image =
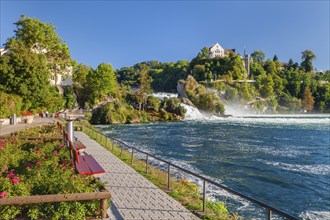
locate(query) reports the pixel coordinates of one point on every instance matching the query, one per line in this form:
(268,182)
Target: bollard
(69,129)
(168,177)
(147,164)
(204,195)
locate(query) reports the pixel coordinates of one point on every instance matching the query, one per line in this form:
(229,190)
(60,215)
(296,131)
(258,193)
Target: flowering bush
(40,168)
(26,113)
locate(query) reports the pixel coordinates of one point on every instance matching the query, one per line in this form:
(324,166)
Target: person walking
(46,114)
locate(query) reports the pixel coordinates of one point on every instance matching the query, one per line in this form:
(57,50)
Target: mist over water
(282,160)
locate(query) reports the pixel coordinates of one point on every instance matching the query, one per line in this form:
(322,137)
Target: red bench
(79,146)
(85,164)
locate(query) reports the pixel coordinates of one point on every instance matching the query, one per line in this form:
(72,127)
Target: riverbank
(286,165)
(186,193)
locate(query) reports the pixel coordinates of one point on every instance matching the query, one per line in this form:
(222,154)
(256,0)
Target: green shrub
(41,168)
(9,104)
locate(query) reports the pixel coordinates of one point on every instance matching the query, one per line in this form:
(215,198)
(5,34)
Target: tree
(25,73)
(256,69)
(258,56)
(275,58)
(265,84)
(308,100)
(102,82)
(41,37)
(145,80)
(307,58)
(81,86)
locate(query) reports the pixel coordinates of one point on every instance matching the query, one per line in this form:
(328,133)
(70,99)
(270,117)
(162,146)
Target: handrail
(269,208)
(22,200)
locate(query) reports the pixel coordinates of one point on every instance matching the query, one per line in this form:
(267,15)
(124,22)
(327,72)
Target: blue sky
(124,33)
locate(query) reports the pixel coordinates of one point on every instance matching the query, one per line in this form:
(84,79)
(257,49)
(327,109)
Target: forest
(37,54)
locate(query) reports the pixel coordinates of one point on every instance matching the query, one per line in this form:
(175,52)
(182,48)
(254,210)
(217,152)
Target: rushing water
(283,161)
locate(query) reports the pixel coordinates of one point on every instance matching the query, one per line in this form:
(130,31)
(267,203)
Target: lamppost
(69,126)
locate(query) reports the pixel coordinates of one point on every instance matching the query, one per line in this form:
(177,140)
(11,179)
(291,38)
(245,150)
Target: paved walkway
(133,196)
(37,121)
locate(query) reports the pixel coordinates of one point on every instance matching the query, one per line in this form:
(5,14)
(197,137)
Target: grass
(180,189)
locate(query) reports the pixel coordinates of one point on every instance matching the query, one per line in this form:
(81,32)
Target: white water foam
(315,215)
(318,169)
(192,113)
(162,95)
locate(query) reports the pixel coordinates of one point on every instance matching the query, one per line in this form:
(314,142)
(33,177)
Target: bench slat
(79,146)
(94,166)
(82,167)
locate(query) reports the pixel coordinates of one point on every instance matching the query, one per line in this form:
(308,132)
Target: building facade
(218,51)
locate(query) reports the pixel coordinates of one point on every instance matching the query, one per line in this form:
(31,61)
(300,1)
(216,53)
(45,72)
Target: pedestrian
(46,112)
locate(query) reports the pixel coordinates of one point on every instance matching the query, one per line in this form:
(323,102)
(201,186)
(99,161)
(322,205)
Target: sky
(124,33)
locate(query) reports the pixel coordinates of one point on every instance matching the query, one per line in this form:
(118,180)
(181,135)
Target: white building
(3,51)
(218,51)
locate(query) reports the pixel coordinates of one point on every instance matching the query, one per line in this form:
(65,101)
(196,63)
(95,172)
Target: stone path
(133,196)
(37,121)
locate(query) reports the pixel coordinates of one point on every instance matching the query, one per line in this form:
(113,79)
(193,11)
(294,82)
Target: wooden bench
(85,164)
(79,146)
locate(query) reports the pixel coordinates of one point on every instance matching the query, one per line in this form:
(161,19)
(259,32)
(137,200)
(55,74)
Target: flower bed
(41,168)
(27,117)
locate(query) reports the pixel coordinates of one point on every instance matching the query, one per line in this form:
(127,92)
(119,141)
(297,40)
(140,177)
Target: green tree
(265,84)
(258,56)
(81,87)
(42,38)
(102,82)
(25,73)
(256,69)
(307,58)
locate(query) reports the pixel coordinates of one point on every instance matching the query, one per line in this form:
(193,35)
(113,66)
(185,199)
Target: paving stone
(133,196)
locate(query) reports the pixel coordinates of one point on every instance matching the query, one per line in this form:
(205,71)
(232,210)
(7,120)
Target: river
(282,160)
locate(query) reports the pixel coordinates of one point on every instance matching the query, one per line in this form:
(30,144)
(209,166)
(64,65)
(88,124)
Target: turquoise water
(283,161)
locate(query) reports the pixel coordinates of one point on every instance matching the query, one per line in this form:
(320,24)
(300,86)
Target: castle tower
(247,63)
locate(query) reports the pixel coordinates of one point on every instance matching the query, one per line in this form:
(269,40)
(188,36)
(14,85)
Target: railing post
(121,151)
(269,214)
(103,204)
(204,195)
(64,139)
(113,143)
(147,164)
(106,141)
(132,156)
(168,176)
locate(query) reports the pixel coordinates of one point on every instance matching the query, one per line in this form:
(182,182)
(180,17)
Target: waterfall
(162,95)
(192,113)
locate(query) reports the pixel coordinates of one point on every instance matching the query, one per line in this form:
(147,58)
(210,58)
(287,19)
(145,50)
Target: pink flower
(38,163)
(38,152)
(15,180)
(4,168)
(11,175)
(2,147)
(60,145)
(3,194)
(55,152)
(46,157)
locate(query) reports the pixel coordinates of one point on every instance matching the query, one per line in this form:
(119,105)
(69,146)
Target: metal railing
(205,180)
